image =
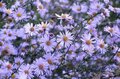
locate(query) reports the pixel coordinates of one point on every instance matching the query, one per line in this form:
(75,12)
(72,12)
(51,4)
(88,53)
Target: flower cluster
(59,39)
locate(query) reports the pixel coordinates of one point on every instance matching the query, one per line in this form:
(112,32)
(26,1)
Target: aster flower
(87,40)
(64,16)
(52,60)
(88,43)
(76,8)
(8,49)
(96,5)
(47,43)
(40,66)
(2,6)
(44,26)
(79,8)
(101,45)
(37,42)
(112,30)
(26,70)
(30,29)
(19,14)
(8,34)
(7,67)
(65,39)
(40,8)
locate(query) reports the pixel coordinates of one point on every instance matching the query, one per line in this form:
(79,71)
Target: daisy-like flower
(40,8)
(88,43)
(8,49)
(96,5)
(8,34)
(64,16)
(76,8)
(101,45)
(47,43)
(52,60)
(79,8)
(26,70)
(19,14)
(87,40)
(44,26)
(30,29)
(65,39)
(40,66)
(7,67)
(2,6)
(112,30)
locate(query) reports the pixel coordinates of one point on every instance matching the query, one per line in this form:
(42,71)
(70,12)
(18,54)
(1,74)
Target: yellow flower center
(41,7)
(91,30)
(48,43)
(44,26)
(63,16)
(13,76)
(65,38)
(19,14)
(1,4)
(88,42)
(49,61)
(89,21)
